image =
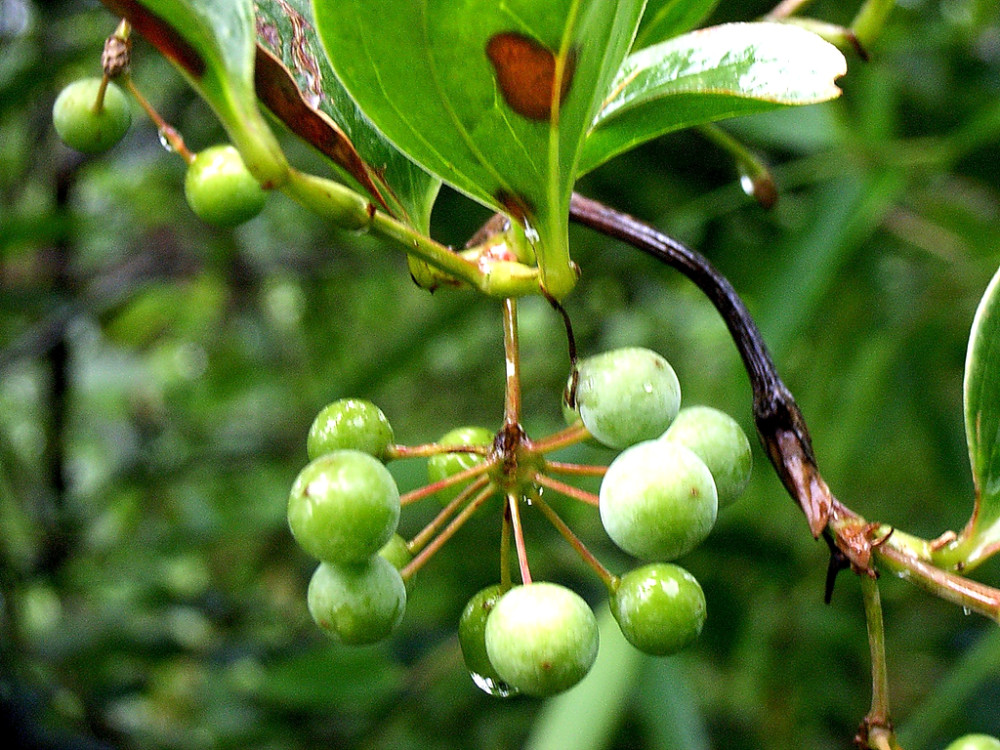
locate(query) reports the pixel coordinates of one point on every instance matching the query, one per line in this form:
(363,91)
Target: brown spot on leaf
(526,73)
(160,34)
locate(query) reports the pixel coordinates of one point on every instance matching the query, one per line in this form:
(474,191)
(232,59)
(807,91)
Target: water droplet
(496,688)
(165,142)
(966,611)
(647,387)
(530,233)
(759,185)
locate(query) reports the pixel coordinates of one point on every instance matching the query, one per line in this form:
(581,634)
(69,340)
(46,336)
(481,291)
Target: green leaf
(665,19)
(708,75)
(981,537)
(495,98)
(213,43)
(295,81)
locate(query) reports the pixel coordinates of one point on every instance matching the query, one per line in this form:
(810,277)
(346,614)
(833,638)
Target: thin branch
(581,549)
(427,552)
(780,425)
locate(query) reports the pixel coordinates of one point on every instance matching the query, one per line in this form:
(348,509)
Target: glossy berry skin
(81,127)
(472,638)
(625,396)
(343,507)
(357,604)
(350,423)
(975,742)
(220,189)
(658,500)
(443,465)
(541,638)
(659,607)
(718,440)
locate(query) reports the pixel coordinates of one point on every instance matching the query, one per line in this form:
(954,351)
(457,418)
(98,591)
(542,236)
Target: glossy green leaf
(296,83)
(665,19)
(213,43)
(981,537)
(708,75)
(495,98)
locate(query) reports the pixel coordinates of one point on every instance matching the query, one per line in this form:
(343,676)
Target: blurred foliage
(157,378)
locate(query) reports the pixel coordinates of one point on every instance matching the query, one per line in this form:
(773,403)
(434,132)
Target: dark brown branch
(779,422)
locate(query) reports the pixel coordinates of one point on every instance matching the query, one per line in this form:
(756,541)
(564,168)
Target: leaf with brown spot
(495,98)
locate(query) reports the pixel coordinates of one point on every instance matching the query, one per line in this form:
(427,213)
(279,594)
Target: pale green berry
(658,500)
(625,396)
(718,440)
(541,638)
(358,603)
(350,423)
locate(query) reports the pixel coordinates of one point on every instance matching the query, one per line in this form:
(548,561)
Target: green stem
(786,8)
(755,177)
(567,489)
(879,713)
(429,489)
(585,554)
(505,534)
(427,552)
(870,20)
(166,131)
(970,595)
(512,356)
(585,470)
(572,435)
(425,535)
(518,530)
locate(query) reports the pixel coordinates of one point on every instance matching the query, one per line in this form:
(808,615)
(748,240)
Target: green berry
(350,423)
(443,465)
(472,638)
(343,507)
(658,500)
(659,607)
(82,127)
(541,638)
(357,604)
(975,742)
(396,552)
(625,396)
(220,189)
(718,440)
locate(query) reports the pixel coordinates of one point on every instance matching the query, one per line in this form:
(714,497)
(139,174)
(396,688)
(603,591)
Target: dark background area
(158,377)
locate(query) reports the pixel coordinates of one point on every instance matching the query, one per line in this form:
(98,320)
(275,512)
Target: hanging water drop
(495,688)
(165,142)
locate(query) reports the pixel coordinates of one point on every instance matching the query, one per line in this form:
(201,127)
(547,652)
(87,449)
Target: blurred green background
(158,376)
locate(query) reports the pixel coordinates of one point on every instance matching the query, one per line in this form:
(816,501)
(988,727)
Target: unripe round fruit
(350,423)
(443,465)
(659,607)
(396,552)
(220,189)
(472,638)
(718,440)
(541,638)
(658,500)
(357,604)
(343,507)
(975,742)
(81,127)
(625,396)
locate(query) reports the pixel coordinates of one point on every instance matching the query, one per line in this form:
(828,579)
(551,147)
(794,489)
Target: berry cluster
(658,499)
